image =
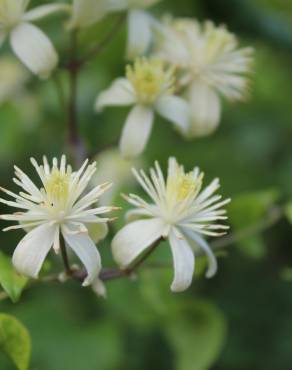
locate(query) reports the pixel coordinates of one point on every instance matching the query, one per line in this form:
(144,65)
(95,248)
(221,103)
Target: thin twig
(114,274)
(97,49)
(75,141)
(273,217)
(64,254)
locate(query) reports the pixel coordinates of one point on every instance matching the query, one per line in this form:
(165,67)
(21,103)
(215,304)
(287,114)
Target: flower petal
(136,131)
(139,33)
(120,93)
(34,49)
(184,263)
(86,251)
(97,231)
(175,110)
(206,109)
(88,12)
(99,288)
(134,238)
(44,10)
(32,250)
(213,266)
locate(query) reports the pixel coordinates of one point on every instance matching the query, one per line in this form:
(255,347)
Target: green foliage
(250,150)
(197,334)
(15,341)
(10,280)
(288,211)
(246,211)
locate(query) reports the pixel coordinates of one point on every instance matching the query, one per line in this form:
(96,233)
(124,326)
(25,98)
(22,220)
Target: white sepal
(206,109)
(34,49)
(44,11)
(136,131)
(87,12)
(139,33)
(183,261)
(175,110)
(135,238)
(86,251)
(32,250)
(213,265)
(120,93)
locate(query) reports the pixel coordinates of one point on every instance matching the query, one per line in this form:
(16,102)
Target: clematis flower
(87,12)
(28,42)
(181,212)
(149,86)
(59,210)
(211,65)
(140,24)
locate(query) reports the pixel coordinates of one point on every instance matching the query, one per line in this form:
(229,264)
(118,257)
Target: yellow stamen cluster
(57,188)
(150,79)
(219,41)
(181,185)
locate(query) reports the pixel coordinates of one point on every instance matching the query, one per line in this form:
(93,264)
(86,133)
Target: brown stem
(64,254)
(113,274)
(75,142)
(97,49)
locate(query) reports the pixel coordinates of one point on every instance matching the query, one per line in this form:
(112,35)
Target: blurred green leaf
(286,274)
(15,341)
(288,211)
(11,282)
(248,209)
(197,334)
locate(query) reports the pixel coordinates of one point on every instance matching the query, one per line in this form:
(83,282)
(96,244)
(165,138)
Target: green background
(241,319)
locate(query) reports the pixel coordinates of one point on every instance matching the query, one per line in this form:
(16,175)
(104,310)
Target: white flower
(59,210)
(87,12)
(149,86)
(28,42)
(12,78)
(140,24)
(210,64)
(181,212)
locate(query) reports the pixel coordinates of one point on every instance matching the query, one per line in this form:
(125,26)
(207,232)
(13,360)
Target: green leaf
(197,334)
(288,211)
(245,211)
(11,282)
(286,274)
(15,341)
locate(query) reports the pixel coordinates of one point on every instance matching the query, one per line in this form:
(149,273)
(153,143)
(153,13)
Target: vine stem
(64,254)
(74,66)
(97,49)
(75,142)
(112,274)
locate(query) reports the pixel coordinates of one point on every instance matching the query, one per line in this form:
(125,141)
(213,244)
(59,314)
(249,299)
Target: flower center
(57,188)
(150,79)
(11,12)
(181,185)
(218,41)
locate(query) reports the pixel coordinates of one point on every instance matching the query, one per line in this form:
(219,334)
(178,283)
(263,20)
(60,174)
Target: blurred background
(241,319)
